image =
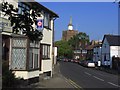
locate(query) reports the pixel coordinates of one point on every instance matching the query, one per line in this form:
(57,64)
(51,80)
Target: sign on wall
(40,24)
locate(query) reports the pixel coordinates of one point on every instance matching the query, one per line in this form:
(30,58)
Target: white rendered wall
(114,51)
(48,39)
(105,51)
(26,74)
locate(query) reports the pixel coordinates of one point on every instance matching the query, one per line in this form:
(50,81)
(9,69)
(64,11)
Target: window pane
(19,10)
(35,60)
(30,58)
(49,22)
(45,51)
(19,4)
(48,51)
(18,59)
(46,19)
(43,55)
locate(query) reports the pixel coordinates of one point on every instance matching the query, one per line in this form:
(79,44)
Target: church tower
(70,26)
(68,34)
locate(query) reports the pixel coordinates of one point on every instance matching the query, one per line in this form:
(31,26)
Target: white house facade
(29,59)
(97,53)
(110,48)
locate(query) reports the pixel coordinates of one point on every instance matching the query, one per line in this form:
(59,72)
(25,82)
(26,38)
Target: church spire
(70,20)
(70,26)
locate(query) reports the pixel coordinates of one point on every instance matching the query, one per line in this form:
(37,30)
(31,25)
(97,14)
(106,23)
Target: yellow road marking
(74,84)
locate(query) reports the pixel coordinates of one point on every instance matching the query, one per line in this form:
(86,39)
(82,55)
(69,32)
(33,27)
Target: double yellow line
(74,84)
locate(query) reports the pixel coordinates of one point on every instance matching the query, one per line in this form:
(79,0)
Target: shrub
(8,78)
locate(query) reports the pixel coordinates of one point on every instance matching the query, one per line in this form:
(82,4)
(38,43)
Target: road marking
(72,82)
(98,78)
(113,84)
(87,73)
(68,81)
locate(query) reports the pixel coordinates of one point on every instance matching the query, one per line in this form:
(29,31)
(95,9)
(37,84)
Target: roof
(113,40)
(38,6)
(90,47)
(98,45)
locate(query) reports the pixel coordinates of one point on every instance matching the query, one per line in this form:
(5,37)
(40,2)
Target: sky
(93,18)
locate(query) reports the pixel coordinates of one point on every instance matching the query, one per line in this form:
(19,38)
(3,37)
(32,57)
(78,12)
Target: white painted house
(110,48)
(97,53)
(29,59)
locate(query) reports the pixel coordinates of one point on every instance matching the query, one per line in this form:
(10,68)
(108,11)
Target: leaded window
(18,54)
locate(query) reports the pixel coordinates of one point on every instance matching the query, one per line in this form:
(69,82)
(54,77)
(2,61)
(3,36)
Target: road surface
(88,77)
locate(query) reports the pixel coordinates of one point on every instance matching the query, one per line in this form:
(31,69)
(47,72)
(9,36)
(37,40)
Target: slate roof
(113,40)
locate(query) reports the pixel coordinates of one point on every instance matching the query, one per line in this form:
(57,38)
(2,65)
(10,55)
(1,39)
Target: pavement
(56,81)
(59,81)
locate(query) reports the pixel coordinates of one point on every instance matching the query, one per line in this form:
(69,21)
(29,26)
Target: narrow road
(89,77)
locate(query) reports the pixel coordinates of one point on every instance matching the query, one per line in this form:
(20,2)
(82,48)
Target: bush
(8,78)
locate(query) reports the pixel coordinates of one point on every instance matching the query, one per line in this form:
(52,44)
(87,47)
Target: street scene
(60,45)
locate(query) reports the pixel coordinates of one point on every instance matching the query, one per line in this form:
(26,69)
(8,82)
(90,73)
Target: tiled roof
(89,47)
(98,45)
(113,40)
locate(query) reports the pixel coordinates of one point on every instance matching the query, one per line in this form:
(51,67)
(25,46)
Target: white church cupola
(70,26)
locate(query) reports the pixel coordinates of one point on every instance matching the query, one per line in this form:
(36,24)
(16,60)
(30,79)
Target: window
(22,7)
(30,58)
(34,56)
(35,60)
(47,21)
(45,51)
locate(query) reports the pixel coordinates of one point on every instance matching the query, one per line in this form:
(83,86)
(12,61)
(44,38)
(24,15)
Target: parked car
(69,60)
(72,60)
(76,61)
(65,60)
(82,62)
(90,63)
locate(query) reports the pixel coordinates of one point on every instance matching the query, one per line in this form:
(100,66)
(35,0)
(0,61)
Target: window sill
(47,27)
(25,69)
(45,58)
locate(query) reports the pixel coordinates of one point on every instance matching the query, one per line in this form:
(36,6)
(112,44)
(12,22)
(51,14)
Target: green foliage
(64,49)
(8,78)
(79,41)
(22,22)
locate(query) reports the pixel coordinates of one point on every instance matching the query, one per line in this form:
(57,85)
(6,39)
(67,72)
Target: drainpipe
(53,48)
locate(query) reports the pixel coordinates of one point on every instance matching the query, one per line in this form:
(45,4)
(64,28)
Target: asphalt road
(89,77)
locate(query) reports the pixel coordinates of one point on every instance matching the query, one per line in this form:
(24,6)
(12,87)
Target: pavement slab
(56,81)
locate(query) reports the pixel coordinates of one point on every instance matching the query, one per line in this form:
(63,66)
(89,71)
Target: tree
(79,41)
(64,49)
(22,22)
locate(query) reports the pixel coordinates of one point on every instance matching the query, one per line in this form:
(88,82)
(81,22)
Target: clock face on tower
(70,27)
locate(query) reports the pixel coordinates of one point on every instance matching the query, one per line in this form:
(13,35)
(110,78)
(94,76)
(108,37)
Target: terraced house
(28,58)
